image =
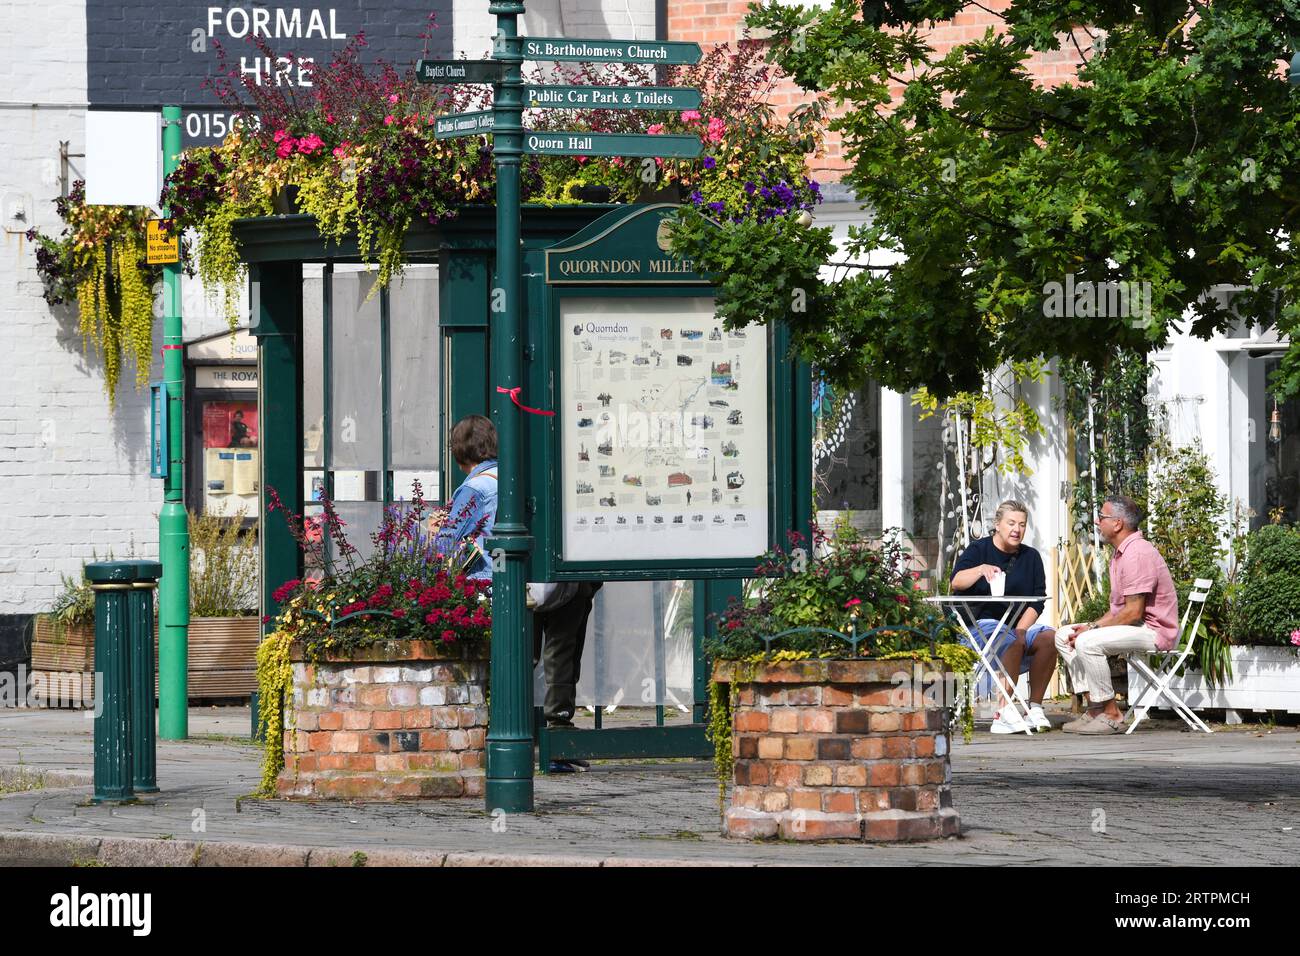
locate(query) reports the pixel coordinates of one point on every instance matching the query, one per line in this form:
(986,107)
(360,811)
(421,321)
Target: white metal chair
(1167,664)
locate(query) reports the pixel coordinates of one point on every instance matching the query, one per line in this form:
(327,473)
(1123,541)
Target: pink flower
(853,602)
(392,98)
(285,149)
(389,120)
(280,135)
(581,159)
(329,118)
(657,128)
(1295,637)
(310,144)
(691,116)
(716,128)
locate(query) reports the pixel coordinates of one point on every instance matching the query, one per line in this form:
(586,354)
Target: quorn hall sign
(635,250)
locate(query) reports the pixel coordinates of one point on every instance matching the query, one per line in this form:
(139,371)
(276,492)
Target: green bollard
(144,736)
(113,584)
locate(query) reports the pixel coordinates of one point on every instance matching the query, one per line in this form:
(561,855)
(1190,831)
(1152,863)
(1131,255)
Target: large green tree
(1172,160)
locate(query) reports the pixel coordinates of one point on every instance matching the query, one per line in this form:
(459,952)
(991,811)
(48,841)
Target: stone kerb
(840,750)
(399,719)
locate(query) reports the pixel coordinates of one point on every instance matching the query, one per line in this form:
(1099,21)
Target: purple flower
(710,162)
(717,207)
(749,188)
(697,197)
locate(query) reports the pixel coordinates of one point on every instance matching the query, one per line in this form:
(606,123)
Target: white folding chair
(1168,663)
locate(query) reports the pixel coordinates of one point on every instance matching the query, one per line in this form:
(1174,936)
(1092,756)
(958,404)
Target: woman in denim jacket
(473,508)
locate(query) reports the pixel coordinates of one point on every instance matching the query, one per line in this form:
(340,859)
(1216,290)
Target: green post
(173,527)
(144,742)
(112,582)
(510,735)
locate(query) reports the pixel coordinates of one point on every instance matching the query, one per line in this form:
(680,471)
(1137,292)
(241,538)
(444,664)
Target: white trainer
(1038,718)
(1008,721)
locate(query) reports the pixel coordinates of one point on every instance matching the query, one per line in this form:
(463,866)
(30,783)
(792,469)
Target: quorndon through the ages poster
(664,431)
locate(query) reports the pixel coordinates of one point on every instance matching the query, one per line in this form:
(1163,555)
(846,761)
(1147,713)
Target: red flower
(285,589)
(399,613)
(852,602)
(901,599)
(266,619)
(448,636)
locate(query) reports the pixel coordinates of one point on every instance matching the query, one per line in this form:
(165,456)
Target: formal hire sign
(564,143)
(612,97)
(622,248)
(671,53)
(448,72)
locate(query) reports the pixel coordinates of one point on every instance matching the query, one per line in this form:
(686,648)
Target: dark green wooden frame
(276,247)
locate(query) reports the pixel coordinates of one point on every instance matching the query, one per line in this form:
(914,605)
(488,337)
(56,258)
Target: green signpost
(613,97)
(573,143)
(509,784)
(664,53)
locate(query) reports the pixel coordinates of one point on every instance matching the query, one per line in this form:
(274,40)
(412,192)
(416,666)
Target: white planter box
(1263,678)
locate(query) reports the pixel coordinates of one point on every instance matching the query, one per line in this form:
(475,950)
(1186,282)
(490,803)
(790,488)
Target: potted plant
(833,686)
(224,629)
(373,684)
(63,645)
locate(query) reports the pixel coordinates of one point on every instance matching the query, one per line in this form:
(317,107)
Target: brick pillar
(841,750)
(394,720)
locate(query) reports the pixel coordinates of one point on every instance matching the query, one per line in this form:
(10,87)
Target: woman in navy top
(1029,646)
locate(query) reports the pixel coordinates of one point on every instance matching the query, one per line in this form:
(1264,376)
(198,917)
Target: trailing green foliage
(1104,408)
(1268,607)
(223,566)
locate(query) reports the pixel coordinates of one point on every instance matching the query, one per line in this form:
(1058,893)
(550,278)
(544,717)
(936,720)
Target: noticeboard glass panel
(663,432)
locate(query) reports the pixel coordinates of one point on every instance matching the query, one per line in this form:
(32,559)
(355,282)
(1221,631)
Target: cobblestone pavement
(1161,796)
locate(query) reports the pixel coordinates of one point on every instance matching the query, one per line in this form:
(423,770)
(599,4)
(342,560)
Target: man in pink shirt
(1143,617)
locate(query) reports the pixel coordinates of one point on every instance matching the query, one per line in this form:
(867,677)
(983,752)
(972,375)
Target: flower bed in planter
(391,720)
(839,750)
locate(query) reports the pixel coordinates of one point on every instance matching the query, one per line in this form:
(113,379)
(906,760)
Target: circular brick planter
(840,750)
(400,719)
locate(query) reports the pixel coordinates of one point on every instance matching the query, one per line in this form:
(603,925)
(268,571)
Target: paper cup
(998,586)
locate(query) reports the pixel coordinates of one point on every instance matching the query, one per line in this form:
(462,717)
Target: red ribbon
(514,397)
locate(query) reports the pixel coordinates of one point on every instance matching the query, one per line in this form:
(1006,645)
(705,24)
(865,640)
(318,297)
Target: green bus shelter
(678,450)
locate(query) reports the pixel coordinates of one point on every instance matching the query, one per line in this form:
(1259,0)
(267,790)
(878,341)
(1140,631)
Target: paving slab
(1161,796)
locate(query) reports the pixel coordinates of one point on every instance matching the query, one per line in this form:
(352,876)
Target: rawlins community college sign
(635,250)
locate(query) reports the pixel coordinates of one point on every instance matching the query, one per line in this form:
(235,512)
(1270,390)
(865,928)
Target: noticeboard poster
(664,432)
(230,462)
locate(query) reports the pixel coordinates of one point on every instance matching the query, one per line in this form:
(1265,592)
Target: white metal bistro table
(991,662)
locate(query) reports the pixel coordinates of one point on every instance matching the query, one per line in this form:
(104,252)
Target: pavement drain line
(53,849)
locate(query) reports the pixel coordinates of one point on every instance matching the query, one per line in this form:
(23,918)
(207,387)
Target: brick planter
(840,750)
(396,720)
